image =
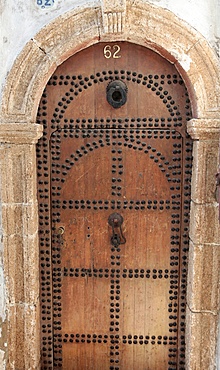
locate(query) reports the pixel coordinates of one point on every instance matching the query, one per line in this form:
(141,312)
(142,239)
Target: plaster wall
(22,19)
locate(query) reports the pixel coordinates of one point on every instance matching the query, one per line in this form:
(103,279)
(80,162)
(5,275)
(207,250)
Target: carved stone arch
(144,24)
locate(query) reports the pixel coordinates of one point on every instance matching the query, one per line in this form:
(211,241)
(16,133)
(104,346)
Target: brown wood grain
(115,307)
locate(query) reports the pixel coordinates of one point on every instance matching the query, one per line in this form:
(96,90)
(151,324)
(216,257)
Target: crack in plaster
(202,311)
(39,47)
(98,23)
(184,60)
(43,50)
(204,244)
(193,45)
(213,203)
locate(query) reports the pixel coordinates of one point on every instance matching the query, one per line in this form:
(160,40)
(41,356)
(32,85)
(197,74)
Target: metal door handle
(115,220)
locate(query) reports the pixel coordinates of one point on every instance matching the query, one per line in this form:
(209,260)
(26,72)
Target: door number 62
(112,51)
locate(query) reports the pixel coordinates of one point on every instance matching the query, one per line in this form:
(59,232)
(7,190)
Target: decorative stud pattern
(101,204)
(131,139)
(146,136)
(159,85)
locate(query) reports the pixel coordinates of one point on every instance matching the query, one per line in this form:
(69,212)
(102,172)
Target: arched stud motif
(158,85)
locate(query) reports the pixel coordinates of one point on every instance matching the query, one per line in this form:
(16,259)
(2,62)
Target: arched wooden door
(112,293)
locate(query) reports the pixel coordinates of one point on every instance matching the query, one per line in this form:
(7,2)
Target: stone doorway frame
(144,24)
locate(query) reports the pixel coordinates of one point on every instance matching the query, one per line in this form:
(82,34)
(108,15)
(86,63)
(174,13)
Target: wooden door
(114,297)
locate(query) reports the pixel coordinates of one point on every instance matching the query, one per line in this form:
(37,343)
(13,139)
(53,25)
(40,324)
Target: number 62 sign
(112,51)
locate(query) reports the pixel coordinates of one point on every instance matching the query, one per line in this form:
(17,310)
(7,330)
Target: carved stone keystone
(114,14)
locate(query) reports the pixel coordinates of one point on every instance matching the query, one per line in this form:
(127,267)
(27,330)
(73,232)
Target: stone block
(23,338)
(201,331)
(206,87)
(113,16)
(31,269)
(20,82)
(19,219)
(14,268)
(203,278)
(58,41)
(21,265)
(205,167)
(19,133)
(16,338)
(149,20)
(12,220)
(204,226)
(12,170)
(18,174)
(32,337)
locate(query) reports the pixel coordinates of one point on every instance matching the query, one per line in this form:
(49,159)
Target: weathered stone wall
(21,20)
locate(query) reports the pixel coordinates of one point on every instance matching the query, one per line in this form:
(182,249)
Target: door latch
(115,220)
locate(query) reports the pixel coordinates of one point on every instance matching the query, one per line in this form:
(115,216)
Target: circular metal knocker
(116,93)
